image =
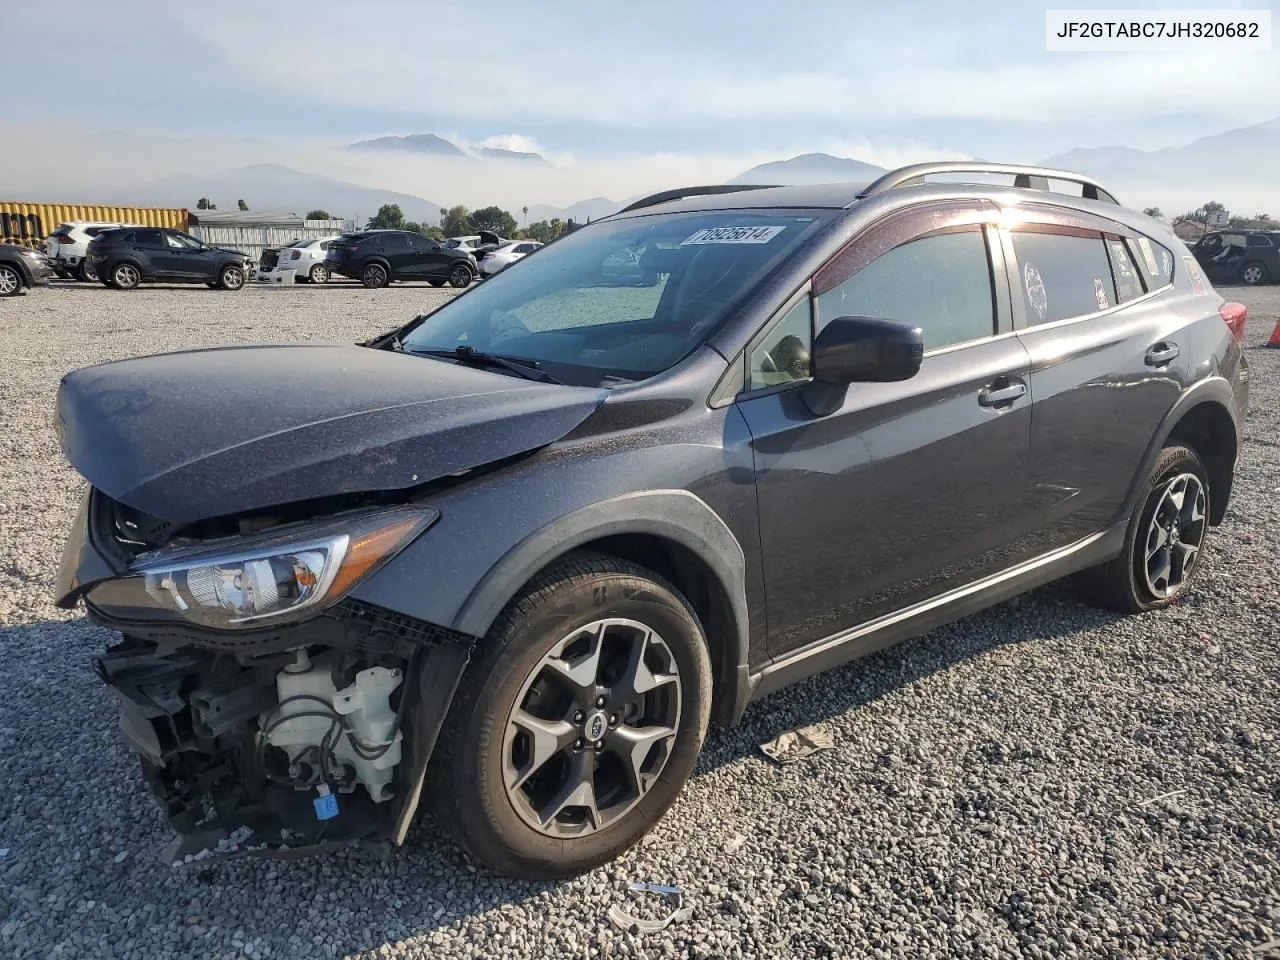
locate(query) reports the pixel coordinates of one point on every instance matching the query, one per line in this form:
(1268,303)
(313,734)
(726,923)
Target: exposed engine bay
(271,753)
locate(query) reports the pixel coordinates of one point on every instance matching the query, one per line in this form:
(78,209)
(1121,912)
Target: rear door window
(1258,240)
(1064,272)
(149,238)
(394,243)
(1154,260)
(1124,272)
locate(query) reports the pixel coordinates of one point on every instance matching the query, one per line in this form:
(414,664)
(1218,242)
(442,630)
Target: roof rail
(1024,177)
(681,192)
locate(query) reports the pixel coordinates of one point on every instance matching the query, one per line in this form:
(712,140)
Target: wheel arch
(1202,420)
(674,534)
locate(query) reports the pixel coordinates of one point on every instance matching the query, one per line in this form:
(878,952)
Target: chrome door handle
(994,396)
(1161,354)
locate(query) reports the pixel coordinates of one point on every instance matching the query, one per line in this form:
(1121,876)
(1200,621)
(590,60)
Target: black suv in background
(376,257)
(1240,256)
(128,256)
(536,540)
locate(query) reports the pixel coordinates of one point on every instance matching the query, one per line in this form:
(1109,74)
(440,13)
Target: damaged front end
(272,714)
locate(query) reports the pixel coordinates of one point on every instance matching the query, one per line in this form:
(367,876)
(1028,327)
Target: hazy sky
(623,98)
(599,78)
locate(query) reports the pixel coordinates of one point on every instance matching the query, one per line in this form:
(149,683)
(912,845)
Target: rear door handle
(1001,392)
(1161,354)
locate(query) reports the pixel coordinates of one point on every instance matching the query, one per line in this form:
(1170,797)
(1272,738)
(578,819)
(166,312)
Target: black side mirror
(860,350)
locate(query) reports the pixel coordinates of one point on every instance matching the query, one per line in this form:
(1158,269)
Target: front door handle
(1001,392)
(1161,354)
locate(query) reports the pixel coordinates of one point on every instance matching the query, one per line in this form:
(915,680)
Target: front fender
(675,515)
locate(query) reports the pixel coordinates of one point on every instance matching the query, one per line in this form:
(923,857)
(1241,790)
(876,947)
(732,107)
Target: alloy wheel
(1174,535)
(375,276)
(126,275)
(233,278)
(461,277)
(1252,274)
(592,728)
(319,273)
(10,282)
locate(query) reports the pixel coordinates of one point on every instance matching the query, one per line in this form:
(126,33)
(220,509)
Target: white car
(305,257)
(67,245)
(505,255)
(467,243)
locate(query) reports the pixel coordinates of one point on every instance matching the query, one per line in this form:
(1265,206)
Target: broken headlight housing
(256,581)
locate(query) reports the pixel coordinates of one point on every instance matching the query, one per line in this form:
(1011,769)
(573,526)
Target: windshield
(620,299)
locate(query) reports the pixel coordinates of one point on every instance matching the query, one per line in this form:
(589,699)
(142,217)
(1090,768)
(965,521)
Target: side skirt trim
(892,628)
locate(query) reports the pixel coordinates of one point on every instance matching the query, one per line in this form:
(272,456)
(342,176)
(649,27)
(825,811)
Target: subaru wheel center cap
(595,726)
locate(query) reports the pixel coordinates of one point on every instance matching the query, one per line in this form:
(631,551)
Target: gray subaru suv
(511,559)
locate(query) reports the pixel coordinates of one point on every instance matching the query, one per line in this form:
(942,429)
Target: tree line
(459,221)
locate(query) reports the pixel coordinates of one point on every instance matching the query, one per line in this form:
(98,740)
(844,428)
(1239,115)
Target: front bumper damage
(198,706)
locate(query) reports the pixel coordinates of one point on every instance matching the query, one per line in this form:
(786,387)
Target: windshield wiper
(528,369)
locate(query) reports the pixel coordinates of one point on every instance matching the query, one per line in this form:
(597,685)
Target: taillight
(1234,316)
(295,255)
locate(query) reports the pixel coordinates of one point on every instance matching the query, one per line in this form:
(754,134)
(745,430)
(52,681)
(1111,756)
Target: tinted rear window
(1063,275)
(1155,261)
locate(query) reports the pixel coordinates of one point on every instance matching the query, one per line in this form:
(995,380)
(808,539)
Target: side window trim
(733,383)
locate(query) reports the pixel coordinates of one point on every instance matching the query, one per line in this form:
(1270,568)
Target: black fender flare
(675,515)
(1213,390)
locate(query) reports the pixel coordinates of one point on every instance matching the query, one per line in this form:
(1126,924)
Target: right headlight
(259,580)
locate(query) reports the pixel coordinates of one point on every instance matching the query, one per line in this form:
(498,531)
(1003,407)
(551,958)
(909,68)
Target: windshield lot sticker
(1197,278)
(1100,293)
(1036,295)
(733,235)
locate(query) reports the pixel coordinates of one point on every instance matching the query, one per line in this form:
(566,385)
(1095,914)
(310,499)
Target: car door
(425,254)
(1262,253)
(156,255)
(186,257)
(395,247)
(908,489)
(1109,359)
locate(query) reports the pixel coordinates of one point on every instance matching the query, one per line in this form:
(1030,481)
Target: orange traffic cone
(1275,336)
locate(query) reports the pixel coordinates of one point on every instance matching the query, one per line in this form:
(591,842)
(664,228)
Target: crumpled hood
(205,433)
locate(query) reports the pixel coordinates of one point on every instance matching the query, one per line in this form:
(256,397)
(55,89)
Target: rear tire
(1254,273)
(590,629)
(437,281)
(1165,540)
(86,273)
(374,276)
(125,276)
(461,276)
(318,274)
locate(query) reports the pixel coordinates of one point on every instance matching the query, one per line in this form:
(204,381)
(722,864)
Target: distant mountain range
(1246,155)
(431,145)
(810,168)
(272,186)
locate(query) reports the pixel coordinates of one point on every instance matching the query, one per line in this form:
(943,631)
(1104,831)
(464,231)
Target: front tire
(10,281)
(576,727)
(231,277)
(1164,542)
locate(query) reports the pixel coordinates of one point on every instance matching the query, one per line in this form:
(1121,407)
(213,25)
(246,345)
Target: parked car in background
(68,245)
(378,257)
(22,268)
(469,242)
(505,255)
(1240,256)
(536,540)
(307,258)
(127,256)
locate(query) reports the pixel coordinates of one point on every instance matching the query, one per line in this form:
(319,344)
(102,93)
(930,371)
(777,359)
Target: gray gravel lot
(1040,780)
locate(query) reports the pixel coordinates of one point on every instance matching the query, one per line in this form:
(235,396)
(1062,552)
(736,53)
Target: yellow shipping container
(30,223)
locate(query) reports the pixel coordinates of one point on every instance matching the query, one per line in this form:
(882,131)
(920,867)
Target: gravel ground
(1040,780)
